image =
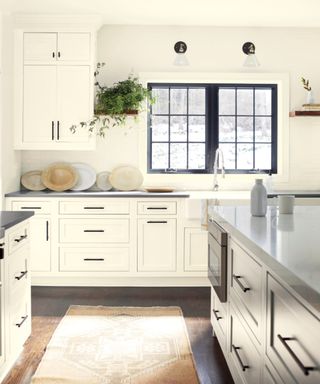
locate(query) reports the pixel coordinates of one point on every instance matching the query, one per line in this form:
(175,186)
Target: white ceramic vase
(310,97)
(258,199)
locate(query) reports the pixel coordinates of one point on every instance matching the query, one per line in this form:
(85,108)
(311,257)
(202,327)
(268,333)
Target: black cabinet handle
(157,207)
(58,130)
(93,259)
(24,318)
(31,208)
(22,273)
(93,230)
(47,230)
(215,312)
(243,366)
(52,130)
(53,54)
(157,222)
(22,237)
(237,279)
(304,369)
(59,54)
(93,207)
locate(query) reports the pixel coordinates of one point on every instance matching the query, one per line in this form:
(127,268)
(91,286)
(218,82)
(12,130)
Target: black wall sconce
(251,60)
(180,49)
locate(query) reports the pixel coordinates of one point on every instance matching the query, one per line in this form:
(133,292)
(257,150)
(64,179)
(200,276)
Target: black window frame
(212,127)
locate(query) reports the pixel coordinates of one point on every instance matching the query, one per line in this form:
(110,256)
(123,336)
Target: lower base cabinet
(40,245)
(157,245)
(242,351)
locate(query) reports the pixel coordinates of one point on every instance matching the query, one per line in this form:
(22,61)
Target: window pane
(197,128)
(245,101)
(161,105)
(263,156)
(197,156)
(160,156)
(178,156)
(263,128)
(227,128)
(178,128)
(245,156)
(228,155)
(178,101)
(245,129)
(160,128)
(226,101)
(263,102)
(197,101)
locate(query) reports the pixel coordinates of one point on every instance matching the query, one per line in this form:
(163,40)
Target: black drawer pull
(52,130)
(304,369)
(157,222)
(22,273)
(93,207)
(215,312)
(31,208)
(24,318)
(47,230)
(22,237)
(92,259)
(58,129)
(93,230)
(243,288)
(243,366)
(157,207)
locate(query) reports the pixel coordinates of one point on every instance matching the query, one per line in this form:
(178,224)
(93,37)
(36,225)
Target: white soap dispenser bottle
(258,199)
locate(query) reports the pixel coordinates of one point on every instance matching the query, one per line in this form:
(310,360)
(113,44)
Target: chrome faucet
(218,159)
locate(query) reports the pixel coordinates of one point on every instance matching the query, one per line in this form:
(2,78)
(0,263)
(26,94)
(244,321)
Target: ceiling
(251,13)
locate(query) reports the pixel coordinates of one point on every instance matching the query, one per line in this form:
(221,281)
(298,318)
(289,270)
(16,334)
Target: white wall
(210,49)
(10,162)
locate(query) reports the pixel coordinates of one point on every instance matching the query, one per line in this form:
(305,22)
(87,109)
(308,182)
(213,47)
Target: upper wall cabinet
(56,47)
(54,84)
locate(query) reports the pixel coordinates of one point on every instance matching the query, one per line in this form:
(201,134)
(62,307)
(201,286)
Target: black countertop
(10,218)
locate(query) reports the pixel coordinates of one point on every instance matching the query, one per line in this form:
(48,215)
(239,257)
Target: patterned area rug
(119,345)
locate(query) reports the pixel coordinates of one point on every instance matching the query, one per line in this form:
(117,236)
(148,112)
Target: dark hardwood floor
(49,304)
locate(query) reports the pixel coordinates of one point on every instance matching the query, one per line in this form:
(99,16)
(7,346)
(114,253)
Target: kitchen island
(269,327)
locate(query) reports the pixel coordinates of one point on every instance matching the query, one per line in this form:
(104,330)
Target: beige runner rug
(119,345)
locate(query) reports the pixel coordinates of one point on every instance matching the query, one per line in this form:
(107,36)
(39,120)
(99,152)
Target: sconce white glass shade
(251,61)
(181,60)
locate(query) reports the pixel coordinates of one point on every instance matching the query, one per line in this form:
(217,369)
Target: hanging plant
(114,104)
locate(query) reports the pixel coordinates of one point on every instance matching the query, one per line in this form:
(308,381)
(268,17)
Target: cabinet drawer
(157,208)
(293,337)
(94,259)
(97,207)
(245,356)
(18,272)
(219,319)
(19,237)
(94,230)
(19,323)
(246,287)
(39,207)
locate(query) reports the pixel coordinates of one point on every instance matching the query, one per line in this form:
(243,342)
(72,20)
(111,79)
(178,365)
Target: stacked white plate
(103,182)
(86,176)
(126,178)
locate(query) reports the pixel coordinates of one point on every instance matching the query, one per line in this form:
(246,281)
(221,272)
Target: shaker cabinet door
(39,103)
(39,47)
(74,102)
(73,47)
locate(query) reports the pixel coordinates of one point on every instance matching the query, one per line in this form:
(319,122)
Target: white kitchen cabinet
(219,319)
(54,87)
(242,351)
(195,249)
(48,47)
(293,337)
(40,233)
(54,98)
(15,294)
(157,245)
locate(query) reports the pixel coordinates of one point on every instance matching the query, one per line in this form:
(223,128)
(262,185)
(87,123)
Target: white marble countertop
(287,244)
